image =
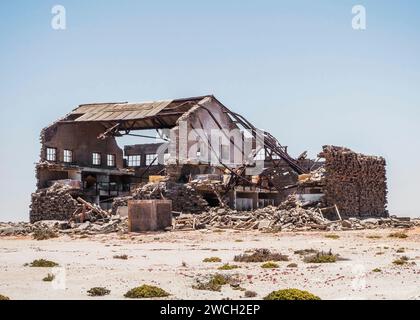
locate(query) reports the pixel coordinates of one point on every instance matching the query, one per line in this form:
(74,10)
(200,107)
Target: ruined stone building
(200,142)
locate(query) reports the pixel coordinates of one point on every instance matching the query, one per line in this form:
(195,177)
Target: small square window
(68,156)
(51,154)
(96,159)
(134,160)
(110,160)
(150,158)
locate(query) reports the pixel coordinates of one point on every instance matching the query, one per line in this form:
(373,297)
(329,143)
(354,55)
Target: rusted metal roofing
(119,111)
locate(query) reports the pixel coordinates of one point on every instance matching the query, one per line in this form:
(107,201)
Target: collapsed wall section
(356,183)
(184,197)
(53,203)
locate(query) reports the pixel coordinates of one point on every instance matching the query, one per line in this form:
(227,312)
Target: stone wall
(356,183)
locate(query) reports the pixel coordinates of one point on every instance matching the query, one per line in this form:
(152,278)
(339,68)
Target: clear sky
(295,68)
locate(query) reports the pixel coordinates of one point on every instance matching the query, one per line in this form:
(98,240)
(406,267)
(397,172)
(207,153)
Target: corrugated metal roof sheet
(119,111)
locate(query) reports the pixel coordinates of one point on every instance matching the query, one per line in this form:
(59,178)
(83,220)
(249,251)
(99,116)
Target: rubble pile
(114,224)
(268,218)
(184,197)
(354,182)
(274,219)
(53,203)
(290,215)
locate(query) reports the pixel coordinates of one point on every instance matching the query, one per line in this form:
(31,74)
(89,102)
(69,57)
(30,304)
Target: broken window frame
(134,160)
(51,154)
(110,160)
(260,155)
(150,157)
(96,159)
(67,156)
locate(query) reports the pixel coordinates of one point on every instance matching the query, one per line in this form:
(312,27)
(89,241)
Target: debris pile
(184,197)
(354,182)
(290,215)
(53,203)
(114,224)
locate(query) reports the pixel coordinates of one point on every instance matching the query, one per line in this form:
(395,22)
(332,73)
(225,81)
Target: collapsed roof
(134,116)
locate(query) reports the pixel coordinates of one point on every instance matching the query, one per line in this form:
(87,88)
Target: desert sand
(174,260)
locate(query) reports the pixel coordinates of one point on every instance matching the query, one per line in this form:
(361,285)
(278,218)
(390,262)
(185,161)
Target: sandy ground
(158,259)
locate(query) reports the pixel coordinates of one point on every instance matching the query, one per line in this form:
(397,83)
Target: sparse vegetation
(42,263)
(292,265)
(98,292)
(122,257)
(146,291)
(305,252)
(261,255)
(376,270)
(212,259)
(373,237)
(400,235)
(400,250)
(44,234)
(269,265)
(228,266)
(332,236)
(184,264)
(321,257)
(2,297)
(239,240)
(401,261)
(250,294)
(215,283)
(50,277)
(291,294)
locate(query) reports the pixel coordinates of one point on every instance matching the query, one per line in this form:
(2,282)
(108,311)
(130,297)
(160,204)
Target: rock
(346,224)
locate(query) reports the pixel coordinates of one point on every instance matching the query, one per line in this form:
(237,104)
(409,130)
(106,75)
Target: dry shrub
(321,257)
(98,292)
(215,282)
(261,255)
(212,259)
(44,234)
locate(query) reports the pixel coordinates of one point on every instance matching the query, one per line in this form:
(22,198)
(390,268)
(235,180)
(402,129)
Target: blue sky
(295,68)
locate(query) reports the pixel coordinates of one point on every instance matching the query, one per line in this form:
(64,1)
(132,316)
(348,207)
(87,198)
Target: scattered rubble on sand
(290,215)
(274,219)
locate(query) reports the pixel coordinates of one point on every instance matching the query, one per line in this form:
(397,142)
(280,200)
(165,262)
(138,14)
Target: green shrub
(146,291)
(376,270)
(98,292)
(291,294)
(292,265)
(2,297)
(212,259)
(261,255)
(42,263)
(269,265)
(50,277)
(228,266)
(400,250)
